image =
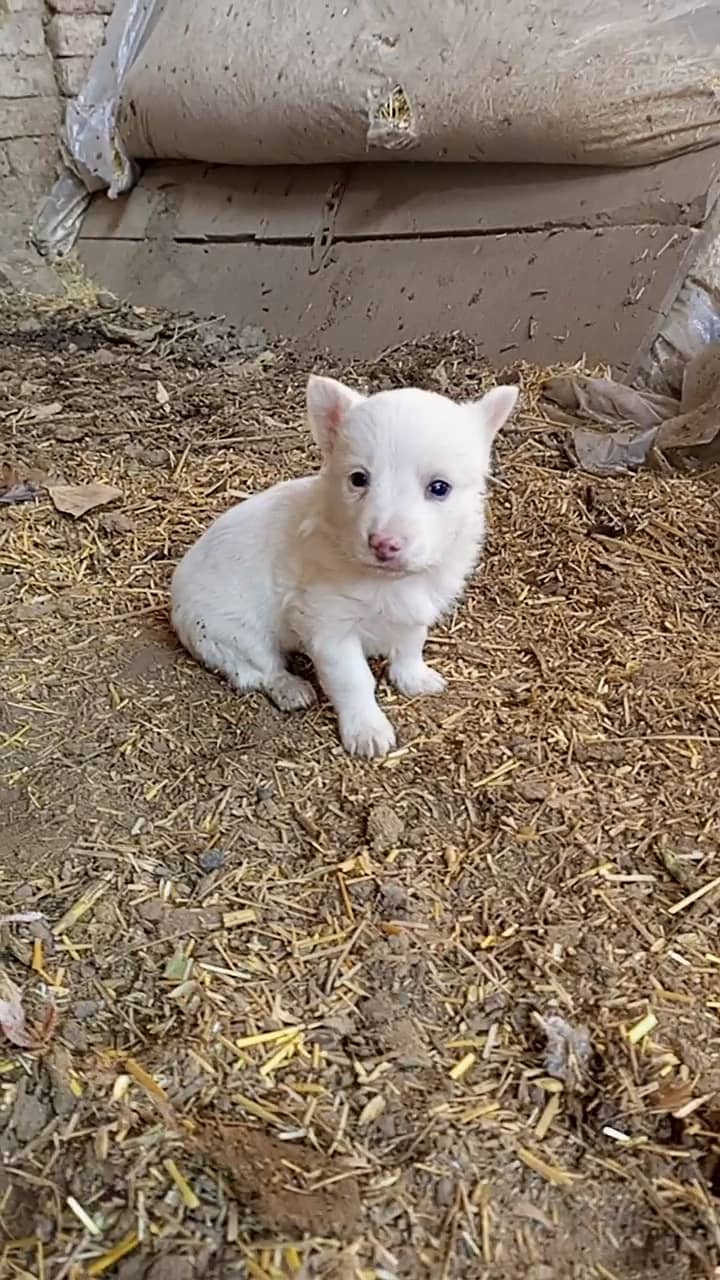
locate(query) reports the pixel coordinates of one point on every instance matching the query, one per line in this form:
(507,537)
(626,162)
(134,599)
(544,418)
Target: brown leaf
(673,1095)
(77,499)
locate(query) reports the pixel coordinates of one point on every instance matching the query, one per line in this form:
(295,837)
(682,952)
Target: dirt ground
(452,1014)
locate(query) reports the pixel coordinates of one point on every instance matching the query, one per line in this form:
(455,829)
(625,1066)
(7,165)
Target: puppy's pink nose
(385,546)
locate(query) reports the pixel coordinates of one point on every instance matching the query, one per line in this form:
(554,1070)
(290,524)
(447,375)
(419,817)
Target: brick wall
(45,50)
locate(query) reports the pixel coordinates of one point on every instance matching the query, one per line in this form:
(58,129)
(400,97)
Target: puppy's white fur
(293,568)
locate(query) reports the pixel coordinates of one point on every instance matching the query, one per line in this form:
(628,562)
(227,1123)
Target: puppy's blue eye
(438,489)
(359,480)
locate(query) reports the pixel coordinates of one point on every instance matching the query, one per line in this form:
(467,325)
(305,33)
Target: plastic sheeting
(626,82)
(627,425)
(694,320)
(96,156)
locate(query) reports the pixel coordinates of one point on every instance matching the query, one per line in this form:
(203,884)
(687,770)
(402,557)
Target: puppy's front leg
(408,671)
(348,682)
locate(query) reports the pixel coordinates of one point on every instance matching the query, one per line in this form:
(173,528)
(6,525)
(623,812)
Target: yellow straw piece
(83,1217)
(107,1260)
(462,1067)
(642,1028)
(190,1200)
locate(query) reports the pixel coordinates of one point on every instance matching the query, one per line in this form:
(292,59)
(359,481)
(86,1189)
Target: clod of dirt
(29,1114)
(68,432)
(252,338)
(393,1034)
(394,898)
(131,1269)
(568,1049)
(59,1065)
(170,1267)
(114,522)
(384,828)
(258,1168)
(533,792)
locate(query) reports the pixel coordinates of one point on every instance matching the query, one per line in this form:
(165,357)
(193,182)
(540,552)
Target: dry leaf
(12,1018)
(162,395)
(26,492)
(673,1094)
(20,484)
(77,499)
(568,1048)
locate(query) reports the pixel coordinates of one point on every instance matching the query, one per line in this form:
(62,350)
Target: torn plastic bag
(636,422)
(94,151)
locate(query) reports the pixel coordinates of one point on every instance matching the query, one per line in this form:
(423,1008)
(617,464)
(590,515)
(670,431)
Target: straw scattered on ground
(452,1014)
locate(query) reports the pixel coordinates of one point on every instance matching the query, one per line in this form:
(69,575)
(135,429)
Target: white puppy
(358,560)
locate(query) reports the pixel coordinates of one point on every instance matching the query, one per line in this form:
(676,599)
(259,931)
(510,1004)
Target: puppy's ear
(328,403)
(493,410)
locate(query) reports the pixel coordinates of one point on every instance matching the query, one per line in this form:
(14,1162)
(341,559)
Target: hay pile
(452,1014)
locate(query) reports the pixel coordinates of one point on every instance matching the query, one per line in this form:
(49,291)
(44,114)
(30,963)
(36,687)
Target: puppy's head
(404,472)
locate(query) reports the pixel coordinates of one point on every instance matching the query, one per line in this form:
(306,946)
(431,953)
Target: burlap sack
(623,82)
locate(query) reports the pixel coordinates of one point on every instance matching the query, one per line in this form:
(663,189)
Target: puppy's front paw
(416,680)
(372,735)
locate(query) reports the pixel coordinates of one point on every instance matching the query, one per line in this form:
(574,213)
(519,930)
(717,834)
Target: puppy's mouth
(390,568)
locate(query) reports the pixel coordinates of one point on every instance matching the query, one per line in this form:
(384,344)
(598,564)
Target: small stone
(131,1269)
(152,910)
(171,1268)
(107,301)
(115,522)
(213,860)
(532,791)
(153,457)
(445,1192)
(75,1035)
(106,356)
(68,432)
(86,1008)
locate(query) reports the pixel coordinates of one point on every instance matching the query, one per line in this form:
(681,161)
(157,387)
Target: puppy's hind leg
(248,666)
